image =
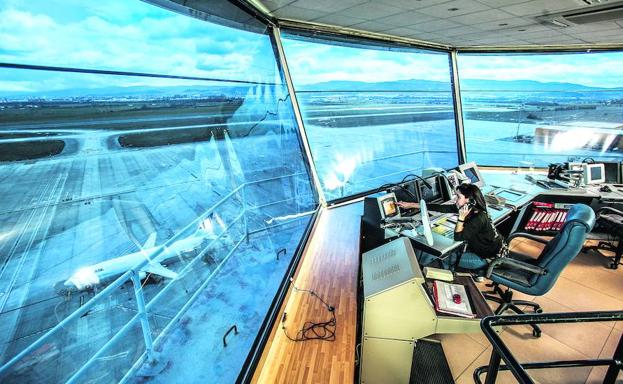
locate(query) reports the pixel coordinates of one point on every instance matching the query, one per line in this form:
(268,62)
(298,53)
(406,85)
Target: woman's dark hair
(473,193)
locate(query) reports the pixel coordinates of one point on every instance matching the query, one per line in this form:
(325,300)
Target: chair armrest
(530,236)
(515,264)
(609,210)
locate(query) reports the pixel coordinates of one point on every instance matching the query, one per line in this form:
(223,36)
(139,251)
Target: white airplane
(92,275)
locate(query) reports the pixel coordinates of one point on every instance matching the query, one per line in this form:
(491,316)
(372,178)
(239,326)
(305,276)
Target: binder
(443,294)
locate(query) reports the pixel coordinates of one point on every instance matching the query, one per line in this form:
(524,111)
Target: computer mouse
(456,298)
(605,188)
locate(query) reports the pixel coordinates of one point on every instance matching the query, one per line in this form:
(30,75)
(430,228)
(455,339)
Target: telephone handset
(467,206)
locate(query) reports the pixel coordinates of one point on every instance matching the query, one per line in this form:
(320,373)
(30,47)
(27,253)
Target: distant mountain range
(241,90)
(433,86)
(134,92)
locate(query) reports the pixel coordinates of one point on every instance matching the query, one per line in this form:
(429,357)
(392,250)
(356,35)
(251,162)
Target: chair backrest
(563,248)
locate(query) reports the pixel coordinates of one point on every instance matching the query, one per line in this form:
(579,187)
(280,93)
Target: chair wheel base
(536,333)
(614,266)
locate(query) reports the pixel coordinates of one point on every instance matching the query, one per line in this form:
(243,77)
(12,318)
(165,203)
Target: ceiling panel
(276,4)
(329,6)
(373,10)
(436,25)
(540,7)
(405,18)
(500,3)
(490,15)
(373,26)
(299,13)
(414,4)
(339,19)
(451,32)
(401,31)
(454,22)
(454,8)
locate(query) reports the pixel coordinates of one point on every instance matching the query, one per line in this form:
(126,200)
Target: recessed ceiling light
(453,9)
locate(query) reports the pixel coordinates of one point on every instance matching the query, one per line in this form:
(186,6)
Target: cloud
(129,36)
(311,63)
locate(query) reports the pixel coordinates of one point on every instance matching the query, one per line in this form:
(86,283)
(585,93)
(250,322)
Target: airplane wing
(159,269)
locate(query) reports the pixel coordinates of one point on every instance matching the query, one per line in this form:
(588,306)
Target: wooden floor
(329,267)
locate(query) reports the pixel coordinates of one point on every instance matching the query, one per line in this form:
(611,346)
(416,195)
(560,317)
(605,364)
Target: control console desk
(399,310)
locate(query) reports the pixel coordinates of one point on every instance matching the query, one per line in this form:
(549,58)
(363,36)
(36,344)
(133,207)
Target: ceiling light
(503,24)
(453,9)
(521,30)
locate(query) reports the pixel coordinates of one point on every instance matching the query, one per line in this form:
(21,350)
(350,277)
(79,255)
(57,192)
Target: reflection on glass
(200,183)
(542,108)
(372,114)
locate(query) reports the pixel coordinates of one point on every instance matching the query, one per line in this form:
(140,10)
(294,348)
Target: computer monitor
(594,173)
(472,173)
(613,172)
(425,227)
(387,206)
(430,191)
(407,191)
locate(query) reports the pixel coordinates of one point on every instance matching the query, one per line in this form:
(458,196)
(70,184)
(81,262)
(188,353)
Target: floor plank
(329,268)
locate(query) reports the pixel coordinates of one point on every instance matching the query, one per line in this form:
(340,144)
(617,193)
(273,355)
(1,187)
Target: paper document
(445,299)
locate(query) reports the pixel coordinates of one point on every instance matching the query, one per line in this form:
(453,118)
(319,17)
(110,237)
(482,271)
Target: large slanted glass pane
(195,182)
(536,109)
(373,113)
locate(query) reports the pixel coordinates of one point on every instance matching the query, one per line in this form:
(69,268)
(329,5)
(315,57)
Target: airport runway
(98,200)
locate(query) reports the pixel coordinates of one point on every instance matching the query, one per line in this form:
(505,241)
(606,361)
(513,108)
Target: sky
(131,35)
(311,62)
(122,35)
(595,69)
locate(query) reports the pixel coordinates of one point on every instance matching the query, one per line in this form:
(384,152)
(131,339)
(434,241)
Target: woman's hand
(404,204)
(464,211)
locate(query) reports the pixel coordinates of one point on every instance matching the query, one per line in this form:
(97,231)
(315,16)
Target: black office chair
(537,276)
(610,222)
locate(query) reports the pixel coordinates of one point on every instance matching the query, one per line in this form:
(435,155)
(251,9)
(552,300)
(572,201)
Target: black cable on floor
(324,330)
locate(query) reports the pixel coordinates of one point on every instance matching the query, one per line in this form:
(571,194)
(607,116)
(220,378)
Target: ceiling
(465,23)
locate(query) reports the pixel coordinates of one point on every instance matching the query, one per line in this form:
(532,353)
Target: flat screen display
(593,173)
(471,175)
(596,173)
(613,172)
(430,193)
(387,206)
(406,192)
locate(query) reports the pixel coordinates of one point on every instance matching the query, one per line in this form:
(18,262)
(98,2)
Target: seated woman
(474,227)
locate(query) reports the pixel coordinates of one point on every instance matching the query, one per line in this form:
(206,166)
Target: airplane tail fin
(151,241)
